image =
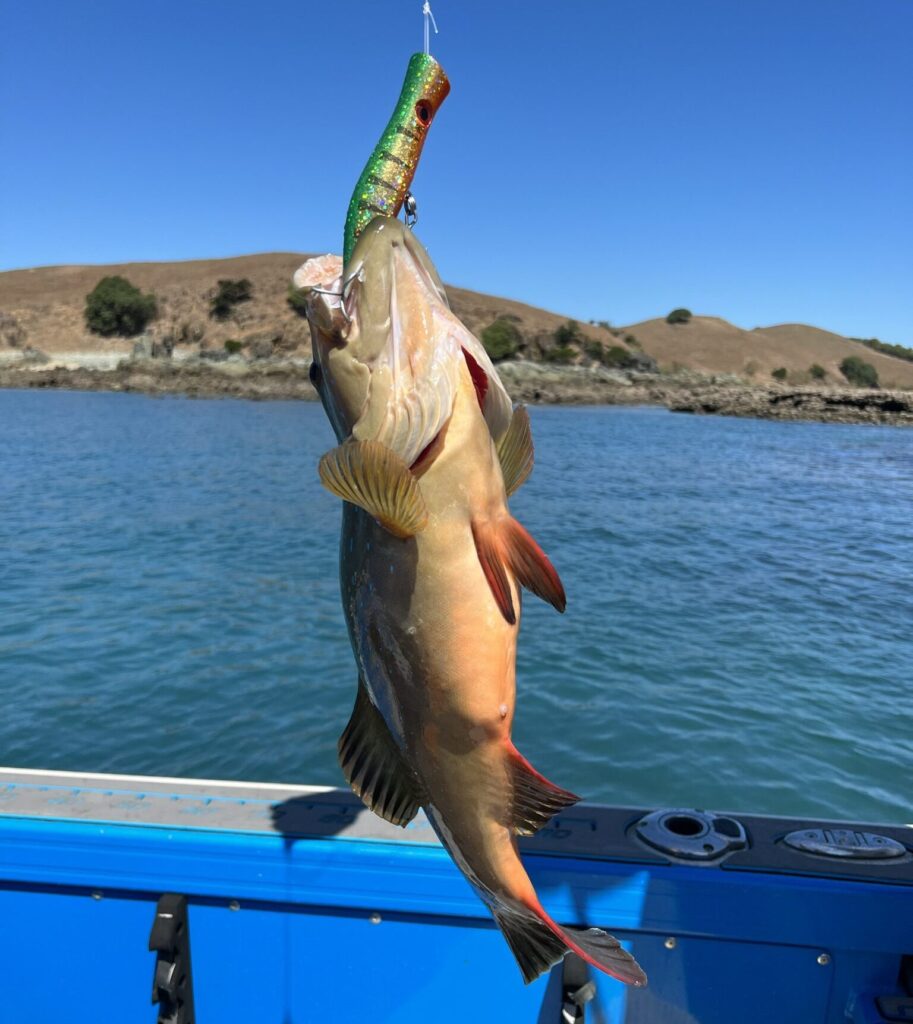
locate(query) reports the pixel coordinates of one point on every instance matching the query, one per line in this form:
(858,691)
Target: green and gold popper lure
(384,183)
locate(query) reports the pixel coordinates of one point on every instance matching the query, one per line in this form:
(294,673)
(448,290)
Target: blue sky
(610,160)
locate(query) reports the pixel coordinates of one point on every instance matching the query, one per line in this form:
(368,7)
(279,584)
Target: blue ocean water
(738,633)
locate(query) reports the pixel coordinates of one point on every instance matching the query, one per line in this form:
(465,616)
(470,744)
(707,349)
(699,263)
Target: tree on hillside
(117,307)
(679,316)
(501,339)
(781,373)
(859,373)
(228,295)
(817,372)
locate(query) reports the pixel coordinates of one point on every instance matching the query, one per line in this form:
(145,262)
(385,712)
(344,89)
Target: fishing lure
(385,181)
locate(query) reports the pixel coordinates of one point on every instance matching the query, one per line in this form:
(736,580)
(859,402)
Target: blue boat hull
(303,907)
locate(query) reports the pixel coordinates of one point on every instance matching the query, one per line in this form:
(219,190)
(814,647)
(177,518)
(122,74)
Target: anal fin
(370,475)
(373,765)
(515,451)
(535,799)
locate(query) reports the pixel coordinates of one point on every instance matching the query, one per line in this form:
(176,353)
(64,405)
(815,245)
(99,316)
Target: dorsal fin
(535,799)
(373,765)
(515,451)
(370,475)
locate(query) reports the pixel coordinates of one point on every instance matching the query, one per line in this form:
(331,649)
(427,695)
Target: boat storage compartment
(288,905)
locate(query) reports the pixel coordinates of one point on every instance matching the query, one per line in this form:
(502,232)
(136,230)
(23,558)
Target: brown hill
(48,303)
(711,345)
(43,308)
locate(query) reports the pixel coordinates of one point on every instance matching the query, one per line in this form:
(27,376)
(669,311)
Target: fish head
(388,351)
(340,380)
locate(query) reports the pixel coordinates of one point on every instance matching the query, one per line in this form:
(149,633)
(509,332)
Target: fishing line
(429,18)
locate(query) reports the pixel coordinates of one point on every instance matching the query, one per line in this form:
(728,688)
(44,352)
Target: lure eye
(423,111)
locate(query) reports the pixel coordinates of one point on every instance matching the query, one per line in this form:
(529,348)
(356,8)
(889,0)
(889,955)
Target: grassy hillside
(43,308)
(711,345)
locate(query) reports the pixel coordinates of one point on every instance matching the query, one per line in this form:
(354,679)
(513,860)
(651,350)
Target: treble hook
(410,210)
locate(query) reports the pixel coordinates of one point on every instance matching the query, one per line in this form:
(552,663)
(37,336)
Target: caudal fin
(538,944)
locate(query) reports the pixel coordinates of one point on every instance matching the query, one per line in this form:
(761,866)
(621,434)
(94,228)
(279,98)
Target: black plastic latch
(172,982)
(577,989)
(895,1008)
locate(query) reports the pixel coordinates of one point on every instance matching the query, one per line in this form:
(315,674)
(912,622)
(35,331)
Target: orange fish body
(431,564)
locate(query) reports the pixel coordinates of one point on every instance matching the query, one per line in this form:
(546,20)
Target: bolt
(670,943)
(824,959)
(96,896)
(375,918)
(234,905)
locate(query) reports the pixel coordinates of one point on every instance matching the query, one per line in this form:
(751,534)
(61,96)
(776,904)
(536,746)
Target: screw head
(96,895)
(375,918)
(671,942)
(824,959)
(234,905)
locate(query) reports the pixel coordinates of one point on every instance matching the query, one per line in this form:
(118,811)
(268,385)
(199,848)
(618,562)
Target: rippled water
(737,634)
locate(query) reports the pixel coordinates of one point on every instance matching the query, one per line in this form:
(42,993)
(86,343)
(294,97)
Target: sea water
(738,630)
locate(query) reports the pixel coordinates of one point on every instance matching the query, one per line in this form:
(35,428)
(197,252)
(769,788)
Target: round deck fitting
(692,834)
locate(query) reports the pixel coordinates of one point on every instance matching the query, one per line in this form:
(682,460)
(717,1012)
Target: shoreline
(528,382)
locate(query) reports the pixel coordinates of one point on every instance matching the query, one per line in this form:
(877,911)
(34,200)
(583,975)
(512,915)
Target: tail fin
(538,944)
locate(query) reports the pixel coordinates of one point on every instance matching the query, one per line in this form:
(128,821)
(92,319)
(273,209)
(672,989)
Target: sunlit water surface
(738,632)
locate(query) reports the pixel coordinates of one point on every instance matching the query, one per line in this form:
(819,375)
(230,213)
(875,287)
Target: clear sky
(751,159)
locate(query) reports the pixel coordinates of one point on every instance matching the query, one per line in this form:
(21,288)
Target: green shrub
(228,295)
(631,339)
(568,334)
(115,306)
(859,373)
(297,300)
(594,350)
(679,316)
(501,339)
(233,346)
(817,372)
(781,373)
(560,354)
(898,351)
(618,357)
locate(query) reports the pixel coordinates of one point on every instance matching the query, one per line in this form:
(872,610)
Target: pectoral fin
(515,451)
(373,765)
(536,799)
(368,474)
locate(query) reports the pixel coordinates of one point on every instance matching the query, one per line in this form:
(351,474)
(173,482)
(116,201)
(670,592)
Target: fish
(430,448)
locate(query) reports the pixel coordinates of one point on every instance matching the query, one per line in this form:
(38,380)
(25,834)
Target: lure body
(384,182)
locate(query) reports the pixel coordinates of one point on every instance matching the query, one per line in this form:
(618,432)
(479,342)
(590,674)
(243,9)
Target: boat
(133,899)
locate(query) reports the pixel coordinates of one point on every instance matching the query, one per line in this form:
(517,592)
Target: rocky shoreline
(529,382)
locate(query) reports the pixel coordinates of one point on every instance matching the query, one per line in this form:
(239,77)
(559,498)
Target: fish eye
(314,374)
(423,111)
